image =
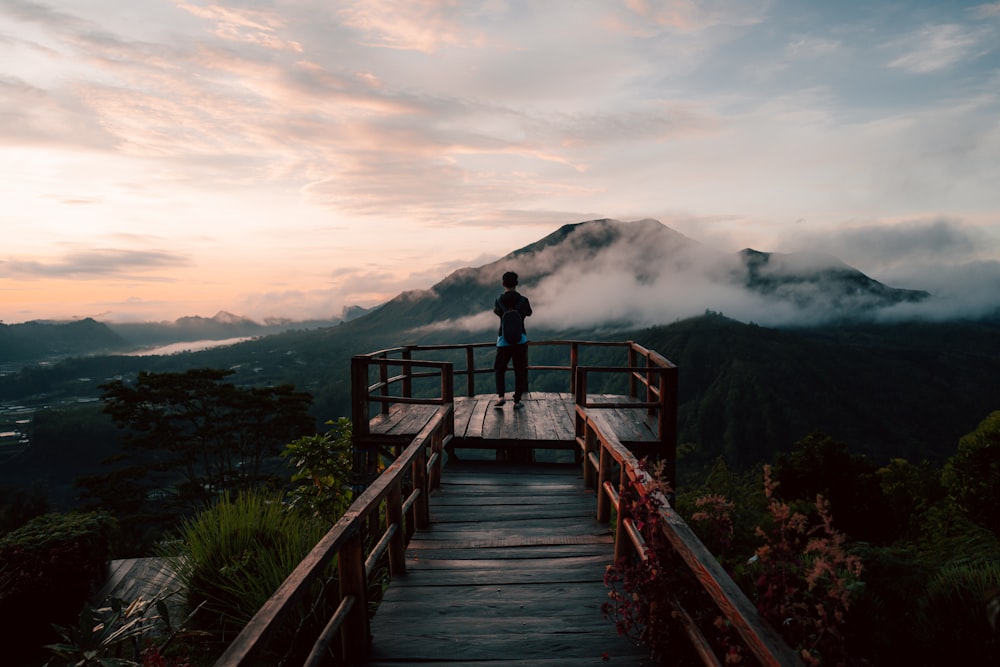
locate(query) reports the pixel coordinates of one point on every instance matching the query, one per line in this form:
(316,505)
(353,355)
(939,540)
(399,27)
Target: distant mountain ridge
(595,274)
(811,279)
(39,340)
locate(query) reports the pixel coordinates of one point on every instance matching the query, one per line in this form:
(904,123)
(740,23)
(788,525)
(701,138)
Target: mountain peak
(606,272)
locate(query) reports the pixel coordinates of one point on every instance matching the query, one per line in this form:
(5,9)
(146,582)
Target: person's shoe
(518,405)
(499,404)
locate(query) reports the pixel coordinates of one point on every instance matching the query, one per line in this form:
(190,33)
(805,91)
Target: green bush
(234,555)
(956,609)
(48,569)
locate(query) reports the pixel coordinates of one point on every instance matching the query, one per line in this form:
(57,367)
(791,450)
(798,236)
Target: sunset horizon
(180,158)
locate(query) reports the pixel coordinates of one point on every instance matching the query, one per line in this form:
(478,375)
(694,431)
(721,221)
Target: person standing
(512,339)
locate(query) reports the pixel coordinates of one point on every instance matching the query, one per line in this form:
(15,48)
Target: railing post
(574,361)
(470,364)
(580,397)
(448,428)
(397,543)
(603,473)
(434,475)
(383,378)
(355,632)
(407,371)
(589,439)
(650,376)
(667,424)
(421,507)
(359,397)
(622,540)
(633,361)
(448,384)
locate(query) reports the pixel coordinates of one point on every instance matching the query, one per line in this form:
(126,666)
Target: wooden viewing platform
(546,422)
(505,565)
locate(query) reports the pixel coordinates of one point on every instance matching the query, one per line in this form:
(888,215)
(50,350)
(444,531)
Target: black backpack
(511,325)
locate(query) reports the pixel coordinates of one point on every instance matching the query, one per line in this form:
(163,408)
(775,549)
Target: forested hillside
(902,390)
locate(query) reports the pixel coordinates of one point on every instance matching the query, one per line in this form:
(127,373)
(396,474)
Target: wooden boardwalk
(509,573)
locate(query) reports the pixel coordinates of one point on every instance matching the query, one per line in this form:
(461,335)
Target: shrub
(802,578)
(957,617)
(323,469)
(805,578)
(119,635)
(48,568)
(234,555)
(972,475)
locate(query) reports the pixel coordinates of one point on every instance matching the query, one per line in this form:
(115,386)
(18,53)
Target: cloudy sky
(161,158)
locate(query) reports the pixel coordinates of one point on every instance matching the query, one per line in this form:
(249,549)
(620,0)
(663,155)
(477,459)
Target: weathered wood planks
(545,421)
(509,573)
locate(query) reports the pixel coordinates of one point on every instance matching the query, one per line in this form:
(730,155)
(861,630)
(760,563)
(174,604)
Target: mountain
(223,325)
(605,274)
(815,281)
(40,339)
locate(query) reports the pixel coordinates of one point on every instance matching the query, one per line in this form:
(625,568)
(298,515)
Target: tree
(820,465)
(202,435)
(972,475)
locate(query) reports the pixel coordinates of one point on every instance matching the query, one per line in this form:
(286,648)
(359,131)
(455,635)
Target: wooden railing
(609,469)
(651,381)
(383,501)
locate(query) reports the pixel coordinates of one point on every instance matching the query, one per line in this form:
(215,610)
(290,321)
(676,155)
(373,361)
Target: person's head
(510,280)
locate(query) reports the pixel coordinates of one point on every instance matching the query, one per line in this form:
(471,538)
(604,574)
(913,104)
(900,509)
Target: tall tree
(972,475)
(202,434)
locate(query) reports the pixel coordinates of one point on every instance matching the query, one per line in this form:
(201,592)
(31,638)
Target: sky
(163,158)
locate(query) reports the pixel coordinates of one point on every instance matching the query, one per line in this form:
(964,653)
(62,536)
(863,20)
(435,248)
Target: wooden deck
(545,422)
(509,573)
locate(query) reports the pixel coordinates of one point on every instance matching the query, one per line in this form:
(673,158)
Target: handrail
(603,453)
(470,370)
(345,543)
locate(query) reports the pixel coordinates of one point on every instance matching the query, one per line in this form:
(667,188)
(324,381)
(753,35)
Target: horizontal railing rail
(467,368)
(610,468)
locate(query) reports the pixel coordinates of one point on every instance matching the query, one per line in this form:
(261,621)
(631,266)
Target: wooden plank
(444,551)
(554,421)
(464,407)
(493,421)
(477,420)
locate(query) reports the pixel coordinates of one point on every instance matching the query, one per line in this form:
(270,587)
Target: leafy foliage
(972,476)
(802,578)
(233,556)
(643,590)
(818,465)
(118,635)
(18,506)
(215,434)
(323,462)
(47,569)
(805,578)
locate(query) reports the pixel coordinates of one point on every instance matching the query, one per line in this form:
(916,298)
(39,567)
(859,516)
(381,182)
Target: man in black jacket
(511,307)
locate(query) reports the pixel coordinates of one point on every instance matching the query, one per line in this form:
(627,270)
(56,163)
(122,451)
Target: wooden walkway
(509,573)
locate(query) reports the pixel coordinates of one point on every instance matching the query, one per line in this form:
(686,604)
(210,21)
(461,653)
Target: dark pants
(519,353)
